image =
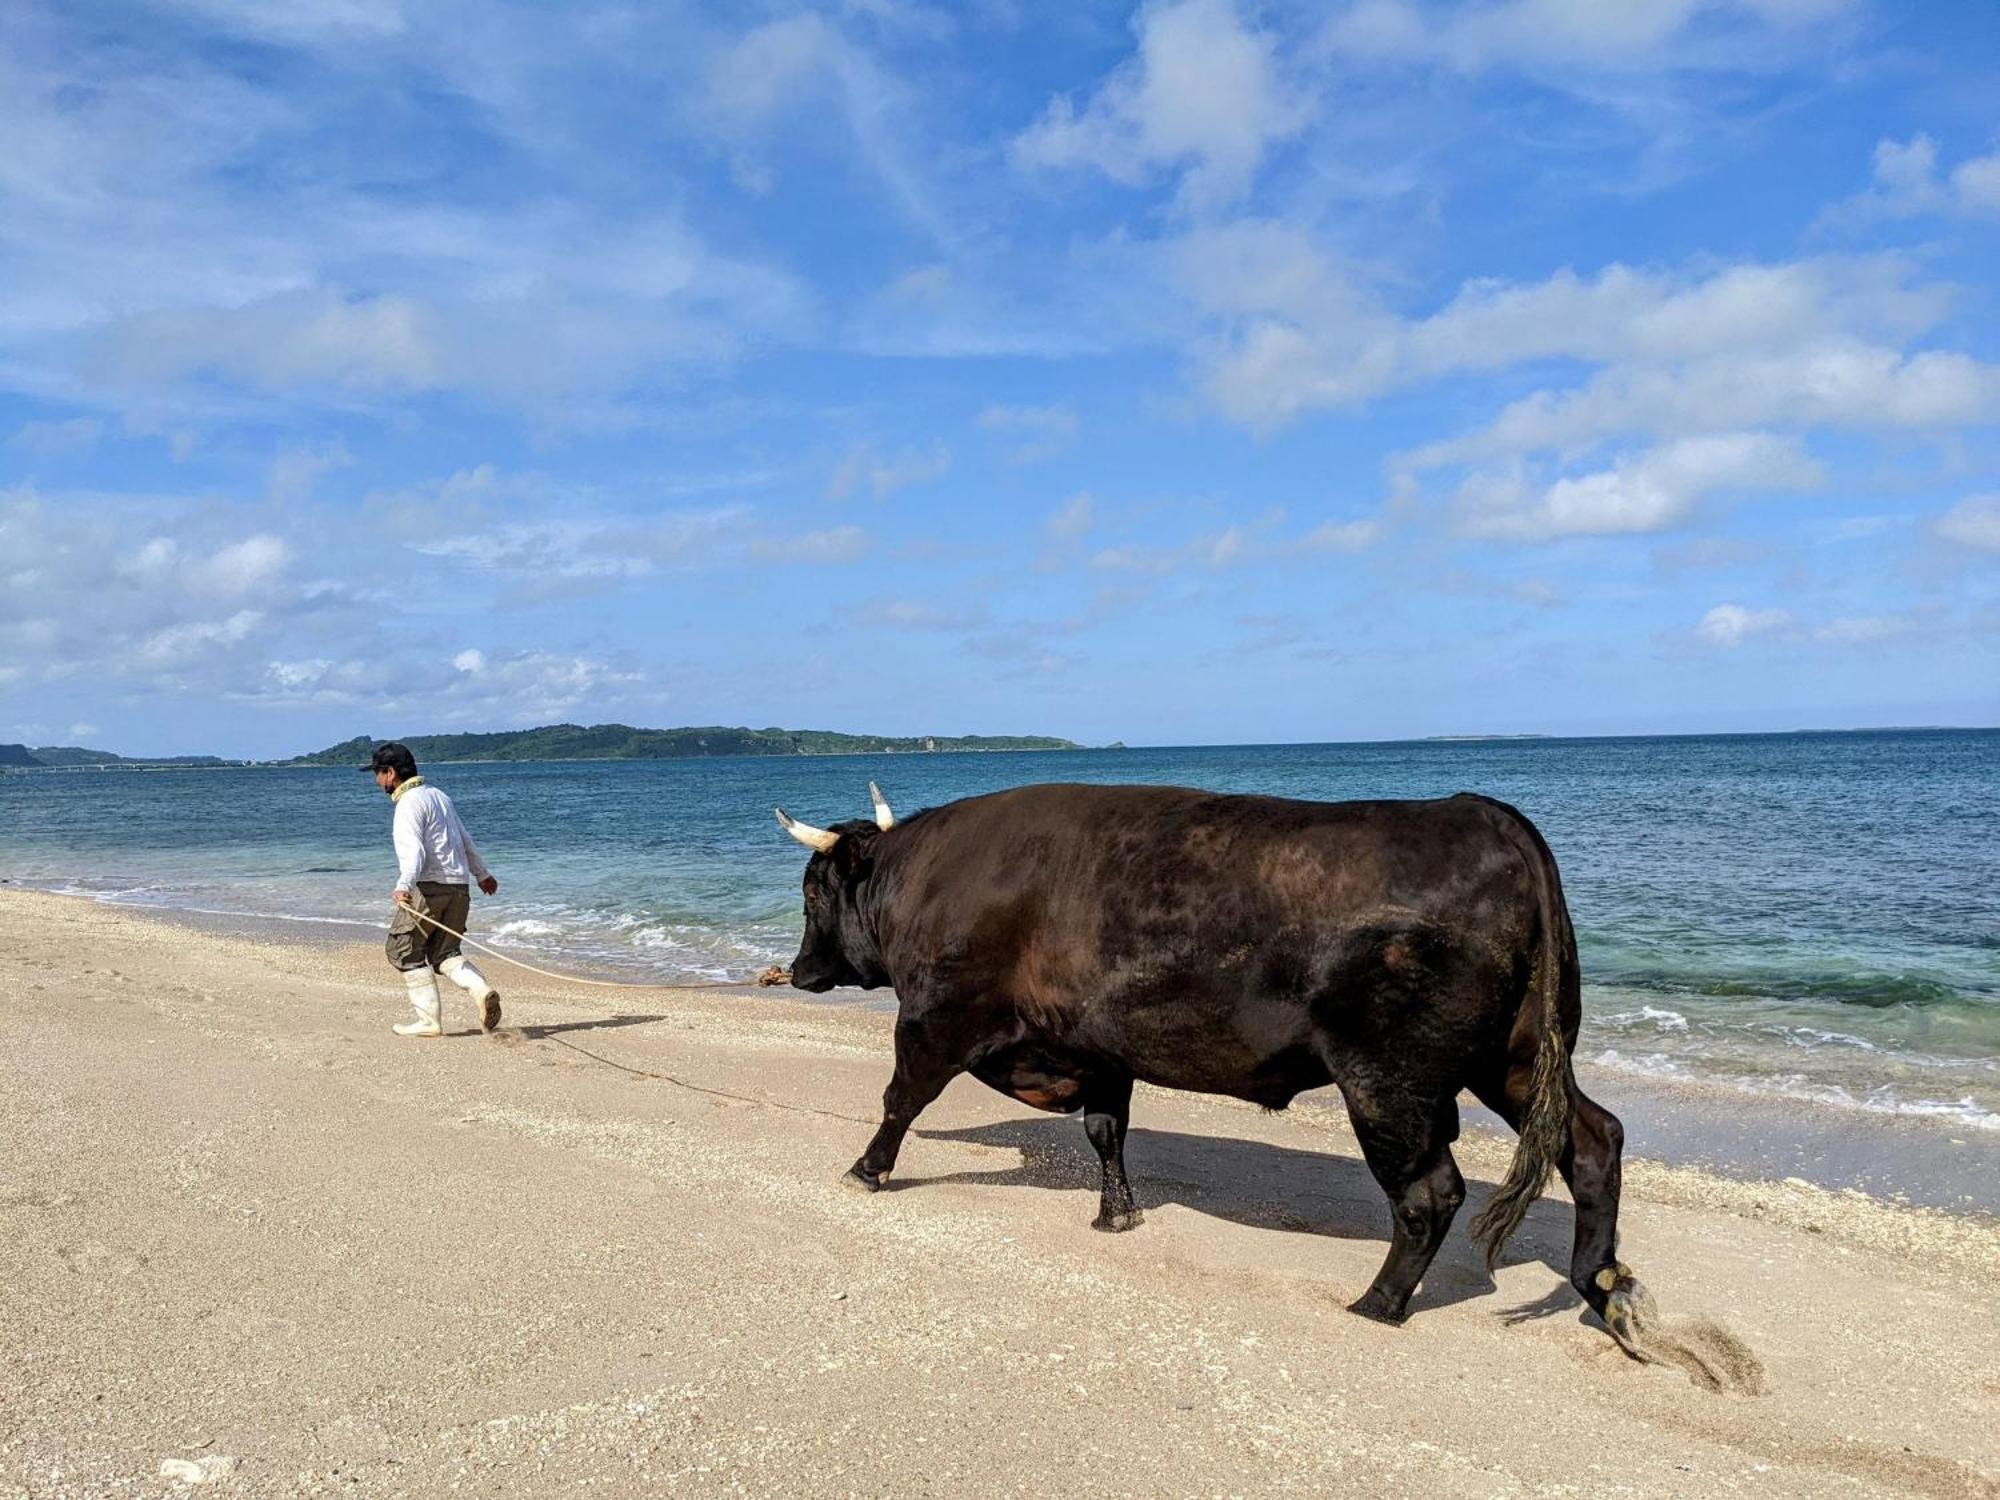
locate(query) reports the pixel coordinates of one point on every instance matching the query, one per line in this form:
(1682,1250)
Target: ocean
(1812,916)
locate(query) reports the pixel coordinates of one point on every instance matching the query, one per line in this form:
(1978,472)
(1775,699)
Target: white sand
(239,1219)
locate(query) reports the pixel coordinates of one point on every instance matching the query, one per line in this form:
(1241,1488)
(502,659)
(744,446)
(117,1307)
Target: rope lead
(771,976)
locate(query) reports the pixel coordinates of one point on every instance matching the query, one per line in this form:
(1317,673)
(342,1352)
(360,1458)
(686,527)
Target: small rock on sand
(204,1470)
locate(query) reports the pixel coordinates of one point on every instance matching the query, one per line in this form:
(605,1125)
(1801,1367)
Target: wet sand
(607,1249)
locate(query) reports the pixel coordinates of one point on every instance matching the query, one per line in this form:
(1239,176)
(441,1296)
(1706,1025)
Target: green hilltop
(623,742)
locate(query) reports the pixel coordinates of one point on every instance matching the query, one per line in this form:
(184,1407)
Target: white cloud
(86,595)
(914,614)
(1219,550)
(835,544)
(198,611)
(1907,183)
(1024,649)
(1973,522)
(1687,361)
(546,560)
(1813,340)
(551,681)
(1906,175)
(518,687)
(1254,543)
(1975,183)
(884,476)
(332,22)
(1627,313)
(1204,94)
(1643,492)
(1045,430)
(58,439)
(184,644)
(1073,518)
(298,338)
(300,674)
(1864,630)
(188,237)
(539,552)
(1732,624)
(155,558)
(802,70)
(1341,536)
(298,467)
(1553,35)
(1836,383)
(247,567)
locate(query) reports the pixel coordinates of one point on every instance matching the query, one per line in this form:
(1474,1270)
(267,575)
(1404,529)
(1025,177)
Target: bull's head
(839,945)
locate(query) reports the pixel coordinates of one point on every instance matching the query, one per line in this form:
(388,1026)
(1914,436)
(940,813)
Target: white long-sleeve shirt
(431,844)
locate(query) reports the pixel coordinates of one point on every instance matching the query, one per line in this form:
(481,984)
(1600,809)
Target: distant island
(563,742)
(623,742)
(68,757)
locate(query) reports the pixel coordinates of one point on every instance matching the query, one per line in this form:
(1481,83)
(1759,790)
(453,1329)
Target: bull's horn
(884,819)
(805,833)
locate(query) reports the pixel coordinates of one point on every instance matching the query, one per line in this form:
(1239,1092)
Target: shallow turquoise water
(1811,915)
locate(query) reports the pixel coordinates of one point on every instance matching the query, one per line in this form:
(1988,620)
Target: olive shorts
(415,945)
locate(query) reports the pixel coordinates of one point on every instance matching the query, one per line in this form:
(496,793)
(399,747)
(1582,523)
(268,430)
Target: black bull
(1058,942)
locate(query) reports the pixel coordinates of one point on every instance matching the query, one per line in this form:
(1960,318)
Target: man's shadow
(1270,1187)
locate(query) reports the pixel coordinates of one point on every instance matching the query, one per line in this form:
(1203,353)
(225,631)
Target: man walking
(435,859)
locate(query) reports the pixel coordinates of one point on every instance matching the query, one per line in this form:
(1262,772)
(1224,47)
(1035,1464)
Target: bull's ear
(854,855)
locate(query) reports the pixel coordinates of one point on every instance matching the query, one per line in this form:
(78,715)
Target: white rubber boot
(458,969)
(424,1001)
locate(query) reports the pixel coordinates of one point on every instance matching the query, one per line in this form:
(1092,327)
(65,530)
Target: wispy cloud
(882,476)
(1206,96)
(1552,37)
(1973,522)
(1733,624)
(1039,431)
(58,439)
(832,544)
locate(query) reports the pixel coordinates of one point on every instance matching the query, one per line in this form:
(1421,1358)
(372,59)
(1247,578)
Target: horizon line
(1080,747)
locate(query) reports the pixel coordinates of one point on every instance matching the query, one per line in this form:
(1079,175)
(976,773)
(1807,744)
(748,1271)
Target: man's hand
(402,897)
(489,885)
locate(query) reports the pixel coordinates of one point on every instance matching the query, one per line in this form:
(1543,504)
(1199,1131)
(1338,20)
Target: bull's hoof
(1377,1308)
(1628,1311)
(862,1182)
(1132,1218)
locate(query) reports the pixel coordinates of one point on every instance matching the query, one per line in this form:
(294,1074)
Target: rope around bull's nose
(771,976)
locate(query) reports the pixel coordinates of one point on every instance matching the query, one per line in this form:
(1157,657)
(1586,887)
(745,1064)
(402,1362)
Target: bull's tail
(1544,1126)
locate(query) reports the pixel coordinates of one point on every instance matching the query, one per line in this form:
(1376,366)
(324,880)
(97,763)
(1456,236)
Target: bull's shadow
(1266,1186)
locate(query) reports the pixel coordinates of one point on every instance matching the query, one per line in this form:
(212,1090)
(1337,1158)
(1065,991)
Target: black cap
(393,756)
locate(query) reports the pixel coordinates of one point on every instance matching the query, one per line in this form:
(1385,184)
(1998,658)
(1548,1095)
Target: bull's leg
(924,1065)
(1591,1166)
(1410,1155)
(1107,1105)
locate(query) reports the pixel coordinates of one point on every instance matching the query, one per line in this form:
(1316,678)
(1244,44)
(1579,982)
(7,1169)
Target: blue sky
(1199,372)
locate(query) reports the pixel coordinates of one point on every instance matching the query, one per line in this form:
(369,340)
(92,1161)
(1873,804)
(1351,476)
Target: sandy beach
(607,1249)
